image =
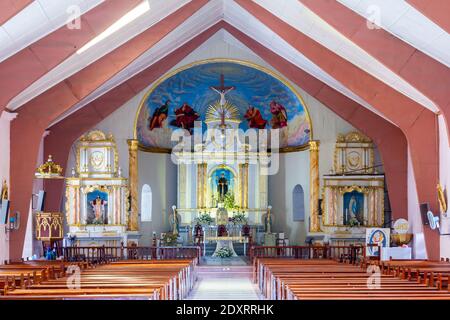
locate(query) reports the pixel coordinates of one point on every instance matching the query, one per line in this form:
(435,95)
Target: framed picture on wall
(379,237)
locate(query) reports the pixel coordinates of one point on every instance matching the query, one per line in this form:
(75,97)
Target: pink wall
(5,119)
(444,177)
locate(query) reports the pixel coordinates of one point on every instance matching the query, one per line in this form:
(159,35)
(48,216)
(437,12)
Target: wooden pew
(147,279)
(326,279)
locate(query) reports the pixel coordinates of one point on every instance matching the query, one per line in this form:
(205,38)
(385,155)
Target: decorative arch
(253,87)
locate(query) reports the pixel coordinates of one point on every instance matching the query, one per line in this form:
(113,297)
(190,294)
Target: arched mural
(262,99)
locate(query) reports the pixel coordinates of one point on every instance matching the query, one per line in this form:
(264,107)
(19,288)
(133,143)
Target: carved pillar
(133,224)
(201,185)
(314,186)
(243,185)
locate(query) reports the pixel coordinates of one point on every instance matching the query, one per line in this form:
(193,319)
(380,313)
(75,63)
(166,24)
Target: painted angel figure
(279,115)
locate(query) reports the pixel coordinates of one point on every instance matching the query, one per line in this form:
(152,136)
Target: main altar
(223,178)
(97,206)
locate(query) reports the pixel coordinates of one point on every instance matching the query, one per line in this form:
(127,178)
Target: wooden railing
(342,253)
(105,254)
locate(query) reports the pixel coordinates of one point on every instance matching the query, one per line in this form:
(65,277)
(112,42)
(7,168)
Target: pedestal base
(270,239)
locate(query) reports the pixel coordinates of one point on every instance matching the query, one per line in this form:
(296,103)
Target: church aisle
(224,283)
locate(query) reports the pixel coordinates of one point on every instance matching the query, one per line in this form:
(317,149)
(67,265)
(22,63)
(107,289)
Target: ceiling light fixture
(119,24)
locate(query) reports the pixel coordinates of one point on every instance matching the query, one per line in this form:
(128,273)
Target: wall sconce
(13,222)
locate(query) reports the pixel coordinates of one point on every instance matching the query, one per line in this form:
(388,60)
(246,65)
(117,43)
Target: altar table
(226,242)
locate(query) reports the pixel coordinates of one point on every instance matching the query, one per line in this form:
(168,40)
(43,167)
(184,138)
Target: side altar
(97,205)
(353,193)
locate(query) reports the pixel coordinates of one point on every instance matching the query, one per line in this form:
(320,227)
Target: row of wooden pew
(432,273)
(323,279)
(136,279)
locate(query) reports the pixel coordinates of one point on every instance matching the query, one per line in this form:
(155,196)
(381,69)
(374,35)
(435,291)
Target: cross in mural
(222,90)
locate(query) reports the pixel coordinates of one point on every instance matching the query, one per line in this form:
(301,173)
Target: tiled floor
(224,283)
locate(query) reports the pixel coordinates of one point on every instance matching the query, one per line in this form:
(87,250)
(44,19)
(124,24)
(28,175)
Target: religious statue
(353,206)
(222,90)
(98,205)
(268,220)
(352,210)
(4,195)
(185,116)
(222,187)
(160,114)
(174,222)
(279,118)
(254,118)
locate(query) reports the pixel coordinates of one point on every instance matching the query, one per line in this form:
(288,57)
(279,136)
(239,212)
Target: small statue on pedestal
(174,222)
(268,220)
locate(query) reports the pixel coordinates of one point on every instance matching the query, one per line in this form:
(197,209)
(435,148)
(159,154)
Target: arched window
(298,203)
(146,203)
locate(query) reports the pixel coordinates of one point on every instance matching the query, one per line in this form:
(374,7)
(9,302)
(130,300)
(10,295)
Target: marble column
(314,186)
(243,185)
(201,185)
(133,222)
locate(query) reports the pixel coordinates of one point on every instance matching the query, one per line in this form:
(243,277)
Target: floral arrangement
(204,218)
(353,222)
(239,218)
(170,239)
(224,252)
(229,202)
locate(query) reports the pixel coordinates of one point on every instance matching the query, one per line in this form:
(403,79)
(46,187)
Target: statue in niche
(98,207)
(353,208)
(159,116)
(222,187)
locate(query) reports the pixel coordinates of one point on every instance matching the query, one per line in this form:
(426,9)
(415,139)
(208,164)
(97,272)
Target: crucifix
(222,90)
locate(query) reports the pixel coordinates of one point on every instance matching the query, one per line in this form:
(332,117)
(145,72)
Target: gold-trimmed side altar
(97,206)
(353,194)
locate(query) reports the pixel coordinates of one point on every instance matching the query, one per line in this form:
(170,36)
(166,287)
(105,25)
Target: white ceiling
(304,20)
(291,11)
(243,20)
(207,16)
(78,61)
(38,19)
(408,24)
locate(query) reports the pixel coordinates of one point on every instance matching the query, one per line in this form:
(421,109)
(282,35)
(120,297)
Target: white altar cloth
(227,244)
(396,253)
